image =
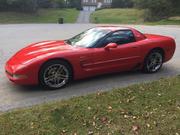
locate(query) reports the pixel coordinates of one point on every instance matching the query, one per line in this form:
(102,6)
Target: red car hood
(39,49)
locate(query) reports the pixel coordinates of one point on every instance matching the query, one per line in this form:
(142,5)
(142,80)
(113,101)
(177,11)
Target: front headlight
(16,76)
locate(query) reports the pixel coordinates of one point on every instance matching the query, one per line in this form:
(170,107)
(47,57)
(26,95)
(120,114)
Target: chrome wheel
(56,76)
(154,62)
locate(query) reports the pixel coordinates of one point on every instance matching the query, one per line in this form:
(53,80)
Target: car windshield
(88,38)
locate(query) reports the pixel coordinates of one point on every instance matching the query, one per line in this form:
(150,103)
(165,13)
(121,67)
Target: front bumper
(20,79)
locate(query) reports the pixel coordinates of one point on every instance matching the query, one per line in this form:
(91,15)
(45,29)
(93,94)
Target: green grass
(123,16)
(128,16)
(43,16)
(144,109)
(170,21)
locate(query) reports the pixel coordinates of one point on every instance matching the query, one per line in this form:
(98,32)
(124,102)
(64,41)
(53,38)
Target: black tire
(147,68)
(48,71)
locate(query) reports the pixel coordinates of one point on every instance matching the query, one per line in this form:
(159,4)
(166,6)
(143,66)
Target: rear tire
(55,74)
(153,62)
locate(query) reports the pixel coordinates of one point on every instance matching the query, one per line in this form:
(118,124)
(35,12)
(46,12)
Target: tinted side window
(120,37)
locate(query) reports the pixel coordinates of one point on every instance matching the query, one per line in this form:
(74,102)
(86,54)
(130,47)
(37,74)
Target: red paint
(87,62)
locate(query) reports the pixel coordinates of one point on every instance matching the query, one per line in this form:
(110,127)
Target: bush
(45,3)
(75,4)
(157,9)
(59,3)
(29,6)
(122,3)
(3,5)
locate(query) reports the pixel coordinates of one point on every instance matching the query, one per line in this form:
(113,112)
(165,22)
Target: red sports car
(100,50)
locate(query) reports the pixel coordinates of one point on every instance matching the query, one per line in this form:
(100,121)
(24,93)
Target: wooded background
(154,10)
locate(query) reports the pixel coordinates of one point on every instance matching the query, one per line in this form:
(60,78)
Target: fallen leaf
(126,116)
(131,99)
(32,125)
(99,93)
(109,121)
(110,107)
(148,125)
(104,119)
(90,133)
(128,100)
(155,123)
(135,128)
(64,131)
(94,124)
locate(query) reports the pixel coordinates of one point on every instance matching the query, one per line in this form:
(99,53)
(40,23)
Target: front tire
(153,62)
(55,74)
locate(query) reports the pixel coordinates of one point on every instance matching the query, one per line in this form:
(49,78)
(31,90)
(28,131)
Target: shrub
(45,3)
(75,4)
(122,3)
(157,9)
(3,5)
(29,6)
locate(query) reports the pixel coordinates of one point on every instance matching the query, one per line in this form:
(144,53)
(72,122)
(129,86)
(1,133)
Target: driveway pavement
(84,17)
(14,37)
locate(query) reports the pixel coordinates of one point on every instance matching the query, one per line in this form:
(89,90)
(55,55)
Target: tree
(156,9)
(122,3)
(74,4)
(45,3)
(3,5)
(29,6)
(176,6)
(59,3)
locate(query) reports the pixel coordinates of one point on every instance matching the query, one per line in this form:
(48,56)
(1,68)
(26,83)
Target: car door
(125,57)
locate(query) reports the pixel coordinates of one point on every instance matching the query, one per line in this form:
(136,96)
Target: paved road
(84,17)
(14,37)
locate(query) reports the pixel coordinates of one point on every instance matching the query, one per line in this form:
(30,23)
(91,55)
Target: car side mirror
(110,46)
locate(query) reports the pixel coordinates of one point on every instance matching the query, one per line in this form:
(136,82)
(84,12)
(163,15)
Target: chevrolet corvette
(100,50)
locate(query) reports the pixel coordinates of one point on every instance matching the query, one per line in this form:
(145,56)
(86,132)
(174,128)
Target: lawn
(144,109)
(43,16)
(128,16)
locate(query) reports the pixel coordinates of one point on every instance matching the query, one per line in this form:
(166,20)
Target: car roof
(114,28)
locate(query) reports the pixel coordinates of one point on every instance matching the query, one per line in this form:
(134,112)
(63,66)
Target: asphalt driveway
(14,37)
(84,17)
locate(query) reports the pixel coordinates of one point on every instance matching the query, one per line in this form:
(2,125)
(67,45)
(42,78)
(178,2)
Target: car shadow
(14,96)
(78,82)
(107,81)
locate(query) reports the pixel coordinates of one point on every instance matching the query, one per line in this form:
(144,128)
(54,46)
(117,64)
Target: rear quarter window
(138,35)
